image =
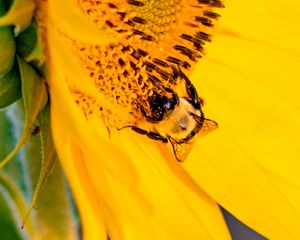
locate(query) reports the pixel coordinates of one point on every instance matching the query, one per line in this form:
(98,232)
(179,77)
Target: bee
(176,119)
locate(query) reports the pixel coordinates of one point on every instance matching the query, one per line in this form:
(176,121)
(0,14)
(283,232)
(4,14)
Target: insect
(176,119)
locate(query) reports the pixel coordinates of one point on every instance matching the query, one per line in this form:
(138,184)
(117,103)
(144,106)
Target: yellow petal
(254,103)
(274,23)
(68,18)
(92,224)
(178,206)
(158,206)
(250,80)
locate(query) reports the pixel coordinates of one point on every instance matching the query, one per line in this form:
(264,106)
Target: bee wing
(207,126)
(181,149)
(204,125)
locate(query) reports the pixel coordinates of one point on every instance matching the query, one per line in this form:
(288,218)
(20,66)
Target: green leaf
(47,158)
(19,15)
(11,125)
(30,46)
(10,88)
(6,139)
(12,209)
(27,40)
(53,215)
(7,45)
(34,98)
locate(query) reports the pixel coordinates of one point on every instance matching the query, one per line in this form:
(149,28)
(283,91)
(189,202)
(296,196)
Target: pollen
(92,109)
(155,39)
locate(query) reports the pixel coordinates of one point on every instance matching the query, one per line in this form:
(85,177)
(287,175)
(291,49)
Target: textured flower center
(154,40)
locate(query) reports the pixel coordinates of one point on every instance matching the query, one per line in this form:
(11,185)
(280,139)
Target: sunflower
(101,69)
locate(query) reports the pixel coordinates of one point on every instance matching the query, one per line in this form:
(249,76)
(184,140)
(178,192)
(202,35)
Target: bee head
(161,106)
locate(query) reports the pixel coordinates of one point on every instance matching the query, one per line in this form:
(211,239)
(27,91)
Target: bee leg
(151,135)
(192,92)
(149,119)
(143,111)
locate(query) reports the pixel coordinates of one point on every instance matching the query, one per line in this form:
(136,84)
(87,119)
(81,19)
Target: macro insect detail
(145,70)
(176,119)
